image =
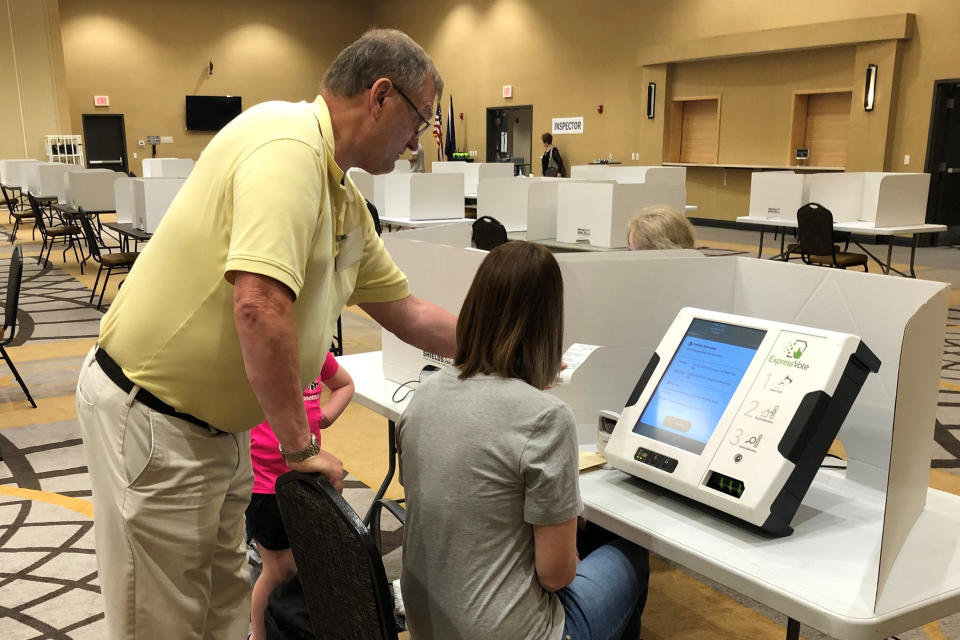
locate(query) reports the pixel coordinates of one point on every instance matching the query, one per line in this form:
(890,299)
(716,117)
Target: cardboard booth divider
(597,213)
(152,198)
(125,200)
(52,179)
(167,167)
(880,199)
(423,196)
(510,200)
(372,187)
(455,234)
(626,309)
(474,173)
(12,171)
(91,189)
(776,195)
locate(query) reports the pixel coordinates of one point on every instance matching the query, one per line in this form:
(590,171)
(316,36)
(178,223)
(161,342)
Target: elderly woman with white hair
(659,227)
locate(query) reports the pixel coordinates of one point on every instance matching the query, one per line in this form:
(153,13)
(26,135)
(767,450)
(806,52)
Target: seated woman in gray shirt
(488,461)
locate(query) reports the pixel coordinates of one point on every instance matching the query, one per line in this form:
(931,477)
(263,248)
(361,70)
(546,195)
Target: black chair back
(815,230)
(92,242)
(344,583)
(488,233)
(11,205)
(14,278)
(38,214)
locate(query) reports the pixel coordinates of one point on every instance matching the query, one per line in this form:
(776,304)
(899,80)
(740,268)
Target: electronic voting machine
(738,413)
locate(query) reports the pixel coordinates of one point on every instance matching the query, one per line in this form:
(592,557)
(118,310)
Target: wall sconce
(870,91)
(651,99)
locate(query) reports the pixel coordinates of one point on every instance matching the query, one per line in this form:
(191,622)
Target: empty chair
(815,228)
(109,261)
(66,233)
(344,584)
(18,213)
(10,306)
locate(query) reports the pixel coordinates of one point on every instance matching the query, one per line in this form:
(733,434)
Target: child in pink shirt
(263,517)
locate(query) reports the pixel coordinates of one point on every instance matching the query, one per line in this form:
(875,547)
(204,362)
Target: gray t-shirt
(482,460)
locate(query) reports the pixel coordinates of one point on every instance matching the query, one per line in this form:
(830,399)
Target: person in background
(264,523)
(416,160)
(550,162)
(489,465)
(659,227)
(223,321)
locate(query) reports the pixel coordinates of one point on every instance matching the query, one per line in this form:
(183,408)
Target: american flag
(438,132)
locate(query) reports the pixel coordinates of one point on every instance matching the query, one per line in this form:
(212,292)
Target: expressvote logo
(794,352)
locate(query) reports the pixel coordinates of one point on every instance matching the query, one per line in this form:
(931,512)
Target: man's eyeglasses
(426,123)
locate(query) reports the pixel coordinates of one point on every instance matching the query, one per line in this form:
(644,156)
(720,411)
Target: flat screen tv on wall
(211,113)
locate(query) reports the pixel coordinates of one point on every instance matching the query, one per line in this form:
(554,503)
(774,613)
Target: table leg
(889,255)
(913,253)
(391,469)
(793,629)
(783,238)
(760,248)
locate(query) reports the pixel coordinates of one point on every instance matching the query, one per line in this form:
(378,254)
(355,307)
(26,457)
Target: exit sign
(101,101)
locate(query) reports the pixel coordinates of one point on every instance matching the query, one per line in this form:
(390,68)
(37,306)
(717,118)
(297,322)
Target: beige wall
(148,55)
(566,59)
(33,103)
(562,57)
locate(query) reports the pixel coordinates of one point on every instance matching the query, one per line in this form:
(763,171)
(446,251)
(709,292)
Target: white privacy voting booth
(861,519)
(776,195)
(167,167)
(423,196)
(13,171)
(474,172)
(512,200)
(880,199)
(93,189)
(372,187)
(895,199)
(151,199)
(124,200)
(597,213)
(46,178)
(454,234)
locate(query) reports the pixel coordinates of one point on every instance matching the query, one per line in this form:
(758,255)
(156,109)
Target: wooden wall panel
(700,131)
(827,129)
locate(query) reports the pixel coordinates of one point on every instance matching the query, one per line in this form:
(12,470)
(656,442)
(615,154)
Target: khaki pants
(168,503)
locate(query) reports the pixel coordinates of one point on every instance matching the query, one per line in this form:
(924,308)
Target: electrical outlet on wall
(141,143)
(473,153)
(906,159)
(134,155)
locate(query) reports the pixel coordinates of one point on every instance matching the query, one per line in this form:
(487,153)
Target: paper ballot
(575,356)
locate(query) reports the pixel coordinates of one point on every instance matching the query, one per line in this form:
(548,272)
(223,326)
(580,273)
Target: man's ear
(378,93)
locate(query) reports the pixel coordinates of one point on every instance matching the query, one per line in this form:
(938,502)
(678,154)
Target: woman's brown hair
(511,323)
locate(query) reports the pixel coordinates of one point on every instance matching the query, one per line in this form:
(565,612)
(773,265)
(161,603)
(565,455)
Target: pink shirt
(264,446)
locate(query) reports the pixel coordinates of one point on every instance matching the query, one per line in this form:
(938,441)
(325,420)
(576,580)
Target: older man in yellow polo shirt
(225,318)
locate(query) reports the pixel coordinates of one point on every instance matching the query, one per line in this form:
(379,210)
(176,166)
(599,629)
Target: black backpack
(488,233)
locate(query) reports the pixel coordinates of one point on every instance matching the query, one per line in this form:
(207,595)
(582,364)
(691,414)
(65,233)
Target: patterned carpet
(48,578)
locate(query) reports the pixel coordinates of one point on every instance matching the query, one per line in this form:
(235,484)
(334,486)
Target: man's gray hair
(381,53)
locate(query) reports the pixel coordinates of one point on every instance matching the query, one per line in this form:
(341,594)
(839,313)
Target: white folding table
(816,576)
(860,227)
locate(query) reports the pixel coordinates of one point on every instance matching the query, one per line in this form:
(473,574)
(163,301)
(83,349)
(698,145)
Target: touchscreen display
(699,381)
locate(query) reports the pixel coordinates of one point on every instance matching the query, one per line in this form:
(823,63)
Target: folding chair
(10,307)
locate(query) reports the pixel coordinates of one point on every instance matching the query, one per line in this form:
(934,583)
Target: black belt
(119,378)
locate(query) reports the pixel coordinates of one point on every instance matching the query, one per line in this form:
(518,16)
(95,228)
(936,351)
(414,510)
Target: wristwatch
(300,455)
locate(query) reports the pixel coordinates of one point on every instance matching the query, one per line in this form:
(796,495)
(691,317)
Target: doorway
(943,159)
(105,139)
(510,136)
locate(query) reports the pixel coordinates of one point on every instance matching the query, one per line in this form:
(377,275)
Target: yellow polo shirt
(265,197)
